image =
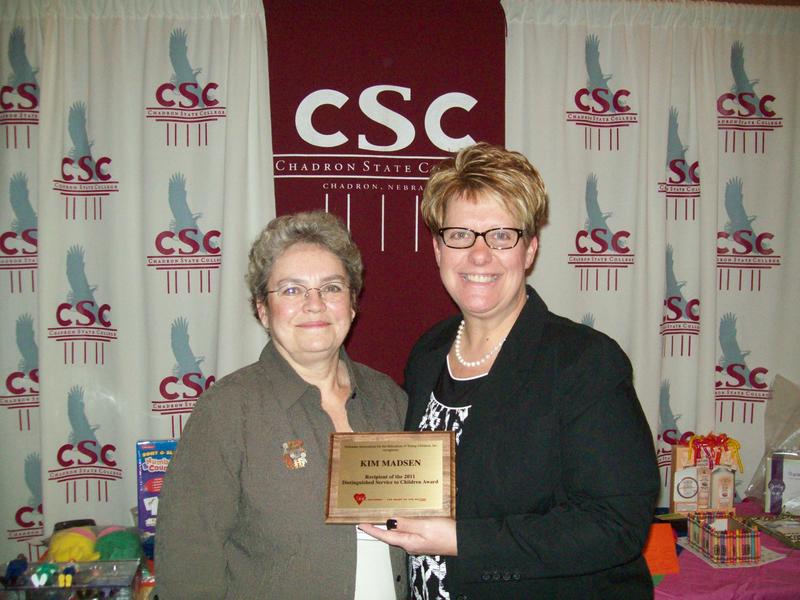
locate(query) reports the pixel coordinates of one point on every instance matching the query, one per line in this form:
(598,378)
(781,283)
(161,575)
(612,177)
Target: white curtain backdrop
(145,180)
(136,170)
(667,133)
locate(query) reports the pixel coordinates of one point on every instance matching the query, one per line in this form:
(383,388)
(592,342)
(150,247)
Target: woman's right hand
(426,535)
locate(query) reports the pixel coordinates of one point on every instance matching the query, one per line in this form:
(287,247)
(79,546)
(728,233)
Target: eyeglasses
(332,292)
(499,238)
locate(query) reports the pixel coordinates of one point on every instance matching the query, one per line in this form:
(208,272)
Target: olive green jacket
(233,520)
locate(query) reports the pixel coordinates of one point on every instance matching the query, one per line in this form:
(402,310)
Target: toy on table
(149,546)
(72,545)
(118,543)
(14,570)
(44,574)
(65,577)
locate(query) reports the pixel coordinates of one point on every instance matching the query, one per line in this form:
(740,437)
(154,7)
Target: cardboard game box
(152,458)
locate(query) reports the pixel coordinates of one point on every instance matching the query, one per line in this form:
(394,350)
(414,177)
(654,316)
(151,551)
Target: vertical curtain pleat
(149,176)
(706,317)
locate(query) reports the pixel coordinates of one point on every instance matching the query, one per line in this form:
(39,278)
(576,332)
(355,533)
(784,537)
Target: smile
(477,278)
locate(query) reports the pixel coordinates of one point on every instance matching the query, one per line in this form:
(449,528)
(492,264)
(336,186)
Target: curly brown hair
(316,227)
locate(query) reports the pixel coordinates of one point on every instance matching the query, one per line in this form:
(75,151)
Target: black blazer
(556,472)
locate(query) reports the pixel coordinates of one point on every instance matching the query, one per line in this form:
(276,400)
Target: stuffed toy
(72,545)
(65,577)
(118,543)
(14,570)
(44,574)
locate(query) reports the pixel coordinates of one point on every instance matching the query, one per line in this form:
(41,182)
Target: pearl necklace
(472,363)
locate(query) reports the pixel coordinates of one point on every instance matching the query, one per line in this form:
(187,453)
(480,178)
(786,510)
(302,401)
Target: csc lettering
(85,308)
(669,437)
(602,100)
(193,381)
(189,95)
(23,520)
(26,91)
(679,168)
(737,377)
(17,389)
(674,312)
(744,242)
(371,108)
(89,452)
(86,172)
(746,103)
(29,238)
(186,242)
(599,242)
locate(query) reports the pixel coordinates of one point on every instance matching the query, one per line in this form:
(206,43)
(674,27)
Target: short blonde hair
(316,227)
(487,168)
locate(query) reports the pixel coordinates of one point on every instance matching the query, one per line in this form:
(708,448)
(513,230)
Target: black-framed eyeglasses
(334,291)
(498,238)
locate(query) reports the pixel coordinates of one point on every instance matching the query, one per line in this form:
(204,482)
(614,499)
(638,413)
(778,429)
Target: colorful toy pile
(81,557)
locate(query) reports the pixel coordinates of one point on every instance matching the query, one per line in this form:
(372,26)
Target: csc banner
(366,97)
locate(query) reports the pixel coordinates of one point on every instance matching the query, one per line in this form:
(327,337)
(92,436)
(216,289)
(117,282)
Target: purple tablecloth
(777,580)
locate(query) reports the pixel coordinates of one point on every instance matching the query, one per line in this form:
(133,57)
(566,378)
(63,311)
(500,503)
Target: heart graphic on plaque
(359,497)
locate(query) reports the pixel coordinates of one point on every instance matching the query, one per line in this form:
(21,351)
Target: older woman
(243,506)
(556,472)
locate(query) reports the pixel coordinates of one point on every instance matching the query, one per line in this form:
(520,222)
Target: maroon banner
(366,96)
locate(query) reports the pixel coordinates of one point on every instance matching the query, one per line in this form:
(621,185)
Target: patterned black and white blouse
(447,410)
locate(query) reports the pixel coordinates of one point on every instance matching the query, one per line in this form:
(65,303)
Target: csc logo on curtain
(743,115)
(84,322)
(86,179)
(669,434)
(381,172)
(602,251)
(19,98)
(21,394)
(184,252)
(178,392)
(19,243)
(744,253)
(738,385)
(682,186)
(680,323)
(184,103)
(28,518)
(356,133)
(86,466)
(601,110)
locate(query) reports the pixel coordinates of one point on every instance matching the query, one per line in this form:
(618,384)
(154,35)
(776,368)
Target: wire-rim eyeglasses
(335,291)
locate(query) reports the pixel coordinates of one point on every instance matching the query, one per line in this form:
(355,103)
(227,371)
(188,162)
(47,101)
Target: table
(778,580)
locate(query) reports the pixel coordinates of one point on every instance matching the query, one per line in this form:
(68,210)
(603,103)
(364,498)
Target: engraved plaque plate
(376,476)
